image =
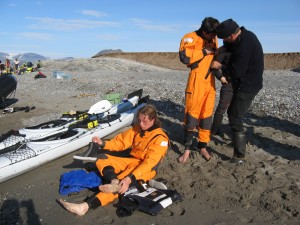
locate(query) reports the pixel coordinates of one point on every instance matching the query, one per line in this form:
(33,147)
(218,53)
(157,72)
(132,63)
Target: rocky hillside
(274,61)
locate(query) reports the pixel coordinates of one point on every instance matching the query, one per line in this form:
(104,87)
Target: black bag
(8,84)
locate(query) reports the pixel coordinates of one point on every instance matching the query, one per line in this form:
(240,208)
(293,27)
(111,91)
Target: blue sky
(82,28)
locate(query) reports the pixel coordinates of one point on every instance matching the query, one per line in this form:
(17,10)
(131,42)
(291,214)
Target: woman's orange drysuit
(148,149)
(200,90)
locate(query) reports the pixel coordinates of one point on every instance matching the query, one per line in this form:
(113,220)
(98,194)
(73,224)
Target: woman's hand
(223,80)
(125,182)
(97,140)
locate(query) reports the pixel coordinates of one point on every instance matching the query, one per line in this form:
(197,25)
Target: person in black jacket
(246,66)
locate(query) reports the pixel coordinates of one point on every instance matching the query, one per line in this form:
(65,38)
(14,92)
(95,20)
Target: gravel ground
(91,79)
(264,190)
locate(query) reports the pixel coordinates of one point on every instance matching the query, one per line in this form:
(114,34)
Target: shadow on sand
(11,209)
(268,144)
(8,102)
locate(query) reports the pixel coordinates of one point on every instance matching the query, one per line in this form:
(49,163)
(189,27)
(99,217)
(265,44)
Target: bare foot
(205,154)
(79,209)
(184,157)
(110,188)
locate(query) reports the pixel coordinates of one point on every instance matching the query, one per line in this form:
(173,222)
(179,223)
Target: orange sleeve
(190,50)
(122,141)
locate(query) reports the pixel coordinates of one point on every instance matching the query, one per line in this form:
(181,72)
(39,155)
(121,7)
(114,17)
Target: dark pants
(226,93)
(238,108)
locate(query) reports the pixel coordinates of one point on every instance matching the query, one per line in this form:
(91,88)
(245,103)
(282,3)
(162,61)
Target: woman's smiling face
(144,122)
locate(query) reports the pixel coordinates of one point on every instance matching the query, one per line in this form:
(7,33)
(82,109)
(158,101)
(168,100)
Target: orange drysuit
(200,90)
(148,149)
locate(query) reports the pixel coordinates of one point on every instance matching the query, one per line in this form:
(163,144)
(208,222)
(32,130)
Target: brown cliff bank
(170,60)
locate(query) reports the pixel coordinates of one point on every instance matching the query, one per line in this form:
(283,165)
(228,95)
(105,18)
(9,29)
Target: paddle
(100,107)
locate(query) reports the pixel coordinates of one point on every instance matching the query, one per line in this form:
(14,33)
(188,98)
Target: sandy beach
(264,190)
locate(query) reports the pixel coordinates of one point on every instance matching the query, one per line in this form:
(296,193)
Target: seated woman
(149,145)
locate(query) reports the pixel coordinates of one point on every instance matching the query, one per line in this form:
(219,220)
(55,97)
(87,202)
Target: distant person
(222,56)
(246,66)
(38,65)
(197,51)
(149,146)
(2,67)
(29,67)
(16,62)
(7,65)
(23,69)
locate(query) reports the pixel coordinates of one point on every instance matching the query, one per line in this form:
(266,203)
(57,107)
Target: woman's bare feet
(79,209)
(205,154)
(184,157)
(110,188)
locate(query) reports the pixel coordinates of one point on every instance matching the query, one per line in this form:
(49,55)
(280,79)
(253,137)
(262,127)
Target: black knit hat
(226,28)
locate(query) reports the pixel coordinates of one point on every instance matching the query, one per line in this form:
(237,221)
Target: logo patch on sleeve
(189,40)
(164,143)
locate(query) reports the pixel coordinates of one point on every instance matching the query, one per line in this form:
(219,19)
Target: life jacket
(29,69)
(146,199)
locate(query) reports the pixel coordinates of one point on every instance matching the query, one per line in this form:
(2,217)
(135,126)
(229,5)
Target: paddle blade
(135,93)
(100,107)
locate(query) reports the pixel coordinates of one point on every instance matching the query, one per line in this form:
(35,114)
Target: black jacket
(246,63)
(223,57)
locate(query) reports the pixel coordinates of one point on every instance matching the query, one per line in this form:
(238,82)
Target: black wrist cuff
(202,144)
(204,52)
(132,177)
(102,145)
(93,202)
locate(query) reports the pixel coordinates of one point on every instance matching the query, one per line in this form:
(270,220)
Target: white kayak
(22,157)
(100,110)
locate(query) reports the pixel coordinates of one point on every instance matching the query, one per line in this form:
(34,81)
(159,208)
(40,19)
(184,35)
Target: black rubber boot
(215,128)
(239,144)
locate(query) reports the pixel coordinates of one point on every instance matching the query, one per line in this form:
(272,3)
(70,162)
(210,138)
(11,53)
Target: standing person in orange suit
(197,51)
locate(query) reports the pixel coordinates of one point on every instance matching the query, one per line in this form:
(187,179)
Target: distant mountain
(66,59)
(107,51)
(30,57)
(26,57)
(2,56)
